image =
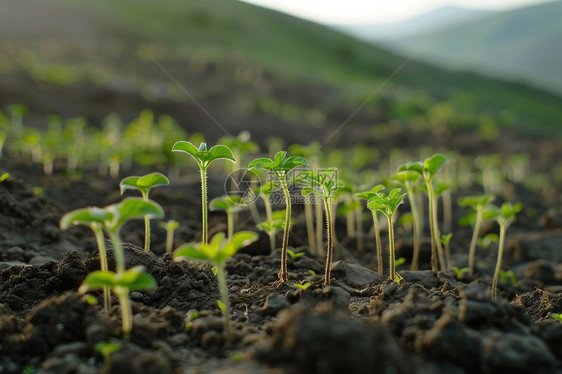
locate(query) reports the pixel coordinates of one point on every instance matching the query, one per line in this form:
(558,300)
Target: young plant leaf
(144,183)
(136,279)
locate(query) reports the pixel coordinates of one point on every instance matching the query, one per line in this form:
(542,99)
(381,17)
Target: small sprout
(506,216)
(427,169)
(4,176)
(400,261)
(106,349)
(508,276)
(388,204)
(446,241)
(479,204)
(324,185)
(170,227)
(410,181)
(460,272)
(121,284)
(366,195)
(487,239)
(204,157)
(280,166)
(304,286)
(216,252)
(311,272)
(294,255)
(229,204)
(90,299)
(556,316)
(144,184)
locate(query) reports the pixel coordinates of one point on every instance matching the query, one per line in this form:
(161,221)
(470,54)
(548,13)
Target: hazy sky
(379,11)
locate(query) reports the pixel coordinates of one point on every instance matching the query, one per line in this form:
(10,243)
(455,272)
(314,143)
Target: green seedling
(324,185)
(388,204)
(303,286)
(506,216)
(508,276)
(400,261)
(294,255)
(106,349)
(446,242)
(410,180)
(204,157)
(94,218)
(427,169)
(556,316)
(230,205)
(111,220)
(310,152)
(144,184)
(170,228)
(4,176)
(478,203)
(460,272)
(487,239)
(280,166)
(121,284)
(366,195)
(216,252)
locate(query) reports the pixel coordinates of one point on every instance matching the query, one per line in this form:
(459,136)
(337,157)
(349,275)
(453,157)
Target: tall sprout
(427,169)
(324,185)
(506,216)
(280,166)
(388,204)
(410,181)
(479,204)
(204,158)
(366,195)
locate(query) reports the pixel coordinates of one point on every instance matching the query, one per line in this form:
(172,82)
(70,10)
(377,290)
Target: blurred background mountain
(260,69)
(521,45)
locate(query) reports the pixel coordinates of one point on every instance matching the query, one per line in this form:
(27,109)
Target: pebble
(355,275)
(274,303)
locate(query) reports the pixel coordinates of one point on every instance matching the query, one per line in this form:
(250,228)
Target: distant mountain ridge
(523,45)
(435,20)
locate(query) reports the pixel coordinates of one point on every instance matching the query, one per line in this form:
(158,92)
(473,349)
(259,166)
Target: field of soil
(361,323)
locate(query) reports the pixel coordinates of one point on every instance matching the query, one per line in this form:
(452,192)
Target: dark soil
(361,323)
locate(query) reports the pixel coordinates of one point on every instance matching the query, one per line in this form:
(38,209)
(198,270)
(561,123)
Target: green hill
(524,44)
(176,31)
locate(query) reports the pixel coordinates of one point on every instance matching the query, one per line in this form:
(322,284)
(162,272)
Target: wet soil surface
(361,323)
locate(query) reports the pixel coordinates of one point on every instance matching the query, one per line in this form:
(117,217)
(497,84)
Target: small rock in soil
(355,275)
(274,303)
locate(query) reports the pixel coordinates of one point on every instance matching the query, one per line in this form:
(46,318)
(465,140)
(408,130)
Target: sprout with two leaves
(230,205)
(216,252)
(409,180)
(427,169)
(111,220)
(388,204)
(170,227)
(324,185)
(366,195)
(144,184)
(204,157)
(480,203)
(273,226)
(280,166)
(505,217)
(273,222)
